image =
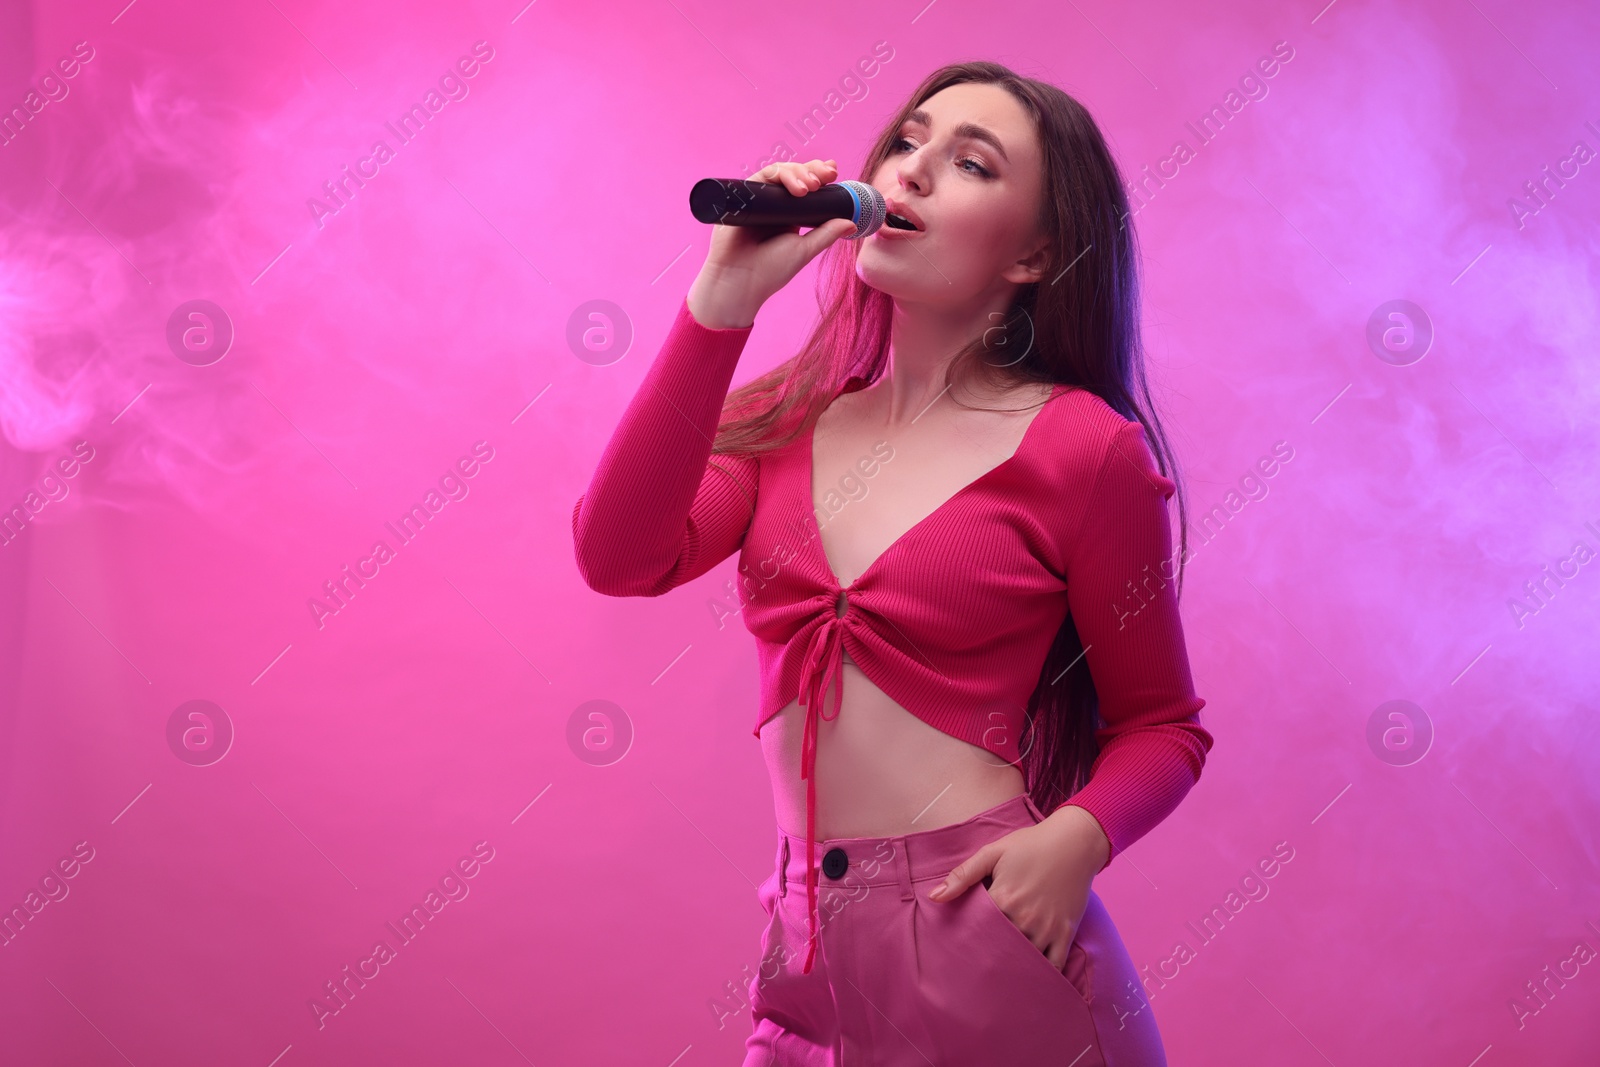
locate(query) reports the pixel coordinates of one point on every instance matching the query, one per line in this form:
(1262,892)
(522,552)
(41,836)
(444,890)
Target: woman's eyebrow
(966,129)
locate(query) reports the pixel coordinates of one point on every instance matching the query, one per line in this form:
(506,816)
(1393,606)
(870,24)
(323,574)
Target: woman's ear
(1030,269)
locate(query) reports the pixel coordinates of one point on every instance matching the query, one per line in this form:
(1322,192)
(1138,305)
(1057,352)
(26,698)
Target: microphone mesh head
(870,209)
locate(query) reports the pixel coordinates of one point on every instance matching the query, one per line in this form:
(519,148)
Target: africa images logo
(453,486)
(452,87)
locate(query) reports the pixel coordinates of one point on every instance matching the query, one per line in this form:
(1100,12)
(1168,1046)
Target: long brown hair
(1080,328)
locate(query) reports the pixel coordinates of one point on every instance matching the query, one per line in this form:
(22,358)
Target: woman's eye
(901,143)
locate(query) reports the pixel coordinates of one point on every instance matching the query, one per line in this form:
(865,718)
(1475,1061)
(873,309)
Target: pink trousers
(903,980)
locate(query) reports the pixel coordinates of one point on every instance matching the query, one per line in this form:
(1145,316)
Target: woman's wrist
(714,308)
(1085,831)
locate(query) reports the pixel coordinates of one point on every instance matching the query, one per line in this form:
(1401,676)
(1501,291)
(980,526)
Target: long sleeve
(1122,595)
(660,510)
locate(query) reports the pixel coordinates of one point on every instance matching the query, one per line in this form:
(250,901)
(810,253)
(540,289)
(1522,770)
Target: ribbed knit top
(954,620)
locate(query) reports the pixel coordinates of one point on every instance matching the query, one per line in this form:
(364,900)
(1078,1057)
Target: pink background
(371,754)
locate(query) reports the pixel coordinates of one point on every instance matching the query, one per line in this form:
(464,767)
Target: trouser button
(835,863)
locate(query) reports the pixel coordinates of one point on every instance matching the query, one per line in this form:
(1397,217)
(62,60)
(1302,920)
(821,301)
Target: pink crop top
(954,620)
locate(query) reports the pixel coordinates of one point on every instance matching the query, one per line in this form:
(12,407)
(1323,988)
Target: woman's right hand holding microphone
(747,264)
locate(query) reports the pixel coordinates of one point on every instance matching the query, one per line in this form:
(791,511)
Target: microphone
(735,202)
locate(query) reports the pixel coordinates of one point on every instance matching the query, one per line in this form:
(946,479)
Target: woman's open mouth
(897,226)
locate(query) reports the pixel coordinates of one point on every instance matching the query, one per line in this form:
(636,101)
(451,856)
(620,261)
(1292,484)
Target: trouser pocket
(1075,974)
(1001,998)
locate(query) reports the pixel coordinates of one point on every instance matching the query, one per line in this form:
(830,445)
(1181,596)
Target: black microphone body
(736,202)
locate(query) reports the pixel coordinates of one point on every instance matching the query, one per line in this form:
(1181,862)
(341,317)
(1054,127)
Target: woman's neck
(923,339)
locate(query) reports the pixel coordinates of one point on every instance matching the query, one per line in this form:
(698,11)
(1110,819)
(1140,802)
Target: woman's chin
(899,280)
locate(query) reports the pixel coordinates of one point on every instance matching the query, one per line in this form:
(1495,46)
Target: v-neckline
(810,489)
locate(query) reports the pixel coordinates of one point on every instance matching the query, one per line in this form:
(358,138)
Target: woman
(959,438)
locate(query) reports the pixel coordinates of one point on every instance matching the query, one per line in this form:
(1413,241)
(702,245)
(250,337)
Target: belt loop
(783,869)
(902,867)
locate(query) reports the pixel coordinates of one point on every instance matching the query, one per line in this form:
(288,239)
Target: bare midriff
(881,771)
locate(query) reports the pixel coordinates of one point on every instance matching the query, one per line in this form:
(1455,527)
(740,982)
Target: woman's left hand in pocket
(1041,877)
